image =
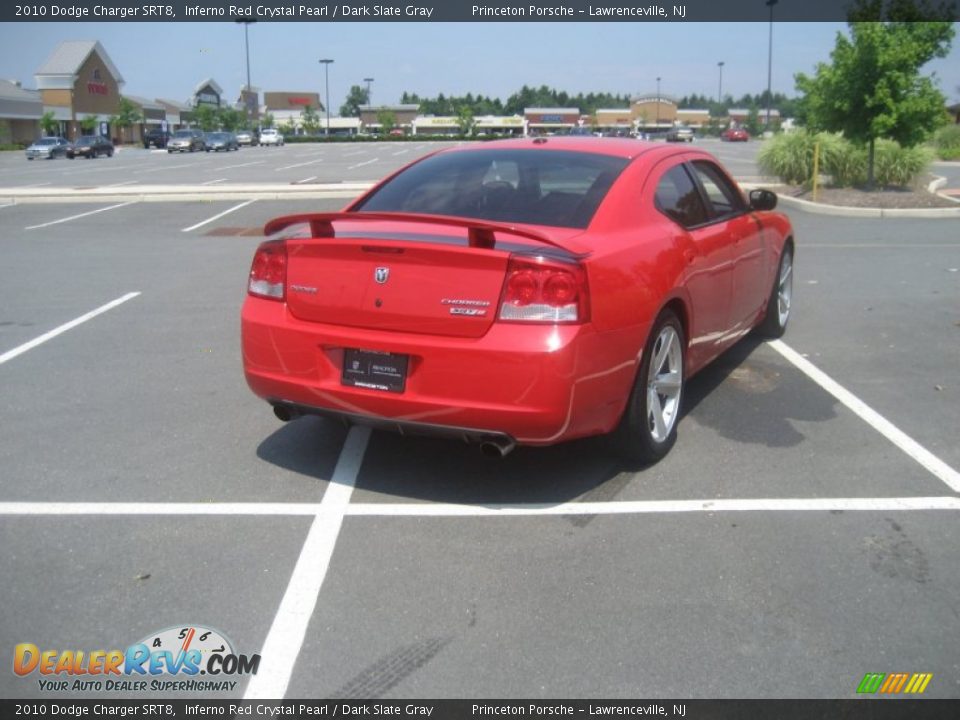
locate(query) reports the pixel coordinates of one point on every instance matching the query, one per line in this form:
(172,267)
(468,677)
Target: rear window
(184,134)
(540,187)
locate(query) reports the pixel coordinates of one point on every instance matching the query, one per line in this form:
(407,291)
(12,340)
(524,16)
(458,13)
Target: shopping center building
(79,82)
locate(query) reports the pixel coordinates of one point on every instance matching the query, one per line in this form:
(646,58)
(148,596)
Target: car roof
(626,148)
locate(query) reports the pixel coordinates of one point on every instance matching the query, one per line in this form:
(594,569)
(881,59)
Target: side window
(724,199)
(678,198)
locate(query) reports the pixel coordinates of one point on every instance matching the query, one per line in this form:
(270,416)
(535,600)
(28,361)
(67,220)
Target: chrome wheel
(785,288)
(664,383)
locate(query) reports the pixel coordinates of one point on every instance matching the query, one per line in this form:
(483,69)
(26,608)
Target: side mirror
(762,200)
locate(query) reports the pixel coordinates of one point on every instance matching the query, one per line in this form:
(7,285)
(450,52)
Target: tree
(128,116)
(873,87)
(88,124)
(465,121)
(206,117)
(267,120)
(355,98)
(310,120)
(230,118)
(387,120)
(49,124)
(752,123)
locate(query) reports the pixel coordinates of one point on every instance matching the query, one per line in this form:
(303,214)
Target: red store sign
(95,88)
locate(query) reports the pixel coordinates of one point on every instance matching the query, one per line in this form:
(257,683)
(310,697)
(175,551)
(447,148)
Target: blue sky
(168,60)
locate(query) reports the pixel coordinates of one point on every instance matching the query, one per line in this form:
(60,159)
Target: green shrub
(844,162)
(947,142)
(895,165)
(788,156)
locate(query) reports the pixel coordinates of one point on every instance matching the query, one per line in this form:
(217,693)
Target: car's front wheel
(648,428)
(774,323)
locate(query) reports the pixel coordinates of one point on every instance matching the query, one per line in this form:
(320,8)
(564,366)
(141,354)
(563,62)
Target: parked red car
(520,292)
(735,135)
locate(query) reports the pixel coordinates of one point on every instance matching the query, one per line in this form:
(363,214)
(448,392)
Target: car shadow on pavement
(749,399)
(309,446)
(741,395)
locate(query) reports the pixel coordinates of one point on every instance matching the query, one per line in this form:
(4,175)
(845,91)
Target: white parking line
(121,184)
(401,152)
(230,167)
(870,416)
(613,507)
(10,354)
(165,167)
(358,152)
(305,180)
(214,182)
(75,217)
(35,185)
(368,162)
(106,168)
(875,246)
(289,167)
(282,645)
(218,216)
(642,507)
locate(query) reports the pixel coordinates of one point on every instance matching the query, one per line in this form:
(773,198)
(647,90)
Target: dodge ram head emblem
(381,274)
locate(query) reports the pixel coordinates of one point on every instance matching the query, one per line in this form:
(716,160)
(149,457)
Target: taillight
(268,273)
(538,289)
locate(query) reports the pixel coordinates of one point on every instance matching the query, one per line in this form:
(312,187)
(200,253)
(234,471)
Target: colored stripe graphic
(871,682)
(894,683)
(918,683)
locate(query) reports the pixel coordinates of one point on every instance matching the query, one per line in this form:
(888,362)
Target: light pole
(326,74)
(770,4)
(658,105)
(369,96)
(720,85)
(246,22)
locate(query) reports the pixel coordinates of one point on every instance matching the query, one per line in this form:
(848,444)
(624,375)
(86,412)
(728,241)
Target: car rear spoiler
(480,234)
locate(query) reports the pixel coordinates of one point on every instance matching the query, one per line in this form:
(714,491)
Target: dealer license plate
(375,370)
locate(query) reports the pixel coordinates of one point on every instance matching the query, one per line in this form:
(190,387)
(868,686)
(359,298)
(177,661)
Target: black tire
(638,438)
(777,314)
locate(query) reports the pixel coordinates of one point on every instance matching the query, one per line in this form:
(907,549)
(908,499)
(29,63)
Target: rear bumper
(286,410)
(535,384)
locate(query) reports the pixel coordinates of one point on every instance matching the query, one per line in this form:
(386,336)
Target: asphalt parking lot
(290,164)
(801,533)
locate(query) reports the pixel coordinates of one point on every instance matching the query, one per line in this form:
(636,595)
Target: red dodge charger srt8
(519,292)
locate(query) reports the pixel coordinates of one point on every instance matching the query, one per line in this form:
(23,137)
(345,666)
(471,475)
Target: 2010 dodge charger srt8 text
(523,292)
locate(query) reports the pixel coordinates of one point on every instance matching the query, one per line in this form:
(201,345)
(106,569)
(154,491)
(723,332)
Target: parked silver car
(186,141)
(680,134)
(48,148)
(218,141)
(246,137)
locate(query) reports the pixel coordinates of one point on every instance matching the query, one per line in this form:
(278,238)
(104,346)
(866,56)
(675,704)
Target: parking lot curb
(183,193)
(846,211)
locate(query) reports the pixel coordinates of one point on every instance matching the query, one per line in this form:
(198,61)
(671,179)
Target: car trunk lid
(392,271)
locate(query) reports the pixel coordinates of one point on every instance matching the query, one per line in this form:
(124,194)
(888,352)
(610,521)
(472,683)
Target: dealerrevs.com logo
(172,660)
